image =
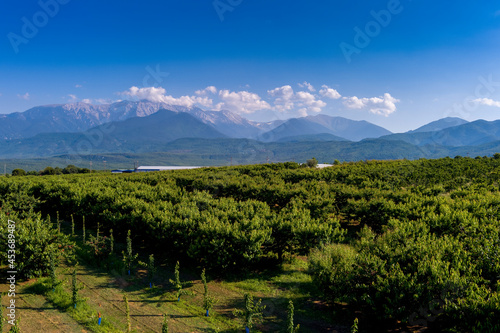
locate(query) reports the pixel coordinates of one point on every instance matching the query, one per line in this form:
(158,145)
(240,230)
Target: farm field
(371,246)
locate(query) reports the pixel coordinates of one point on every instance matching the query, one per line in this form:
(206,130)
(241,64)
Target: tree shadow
(312,317)
(212,330)
(144,315)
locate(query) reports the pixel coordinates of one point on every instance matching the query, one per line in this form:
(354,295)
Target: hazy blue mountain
(322,124)
(440,125)
(206,152)
(292,128)
(229,123)
(162,126)
(219,152)
(311,138)
(192,134)
(470,134)
(79,117)
(354,130)
(73,117)
(246,151)
(487,149)
(138,134)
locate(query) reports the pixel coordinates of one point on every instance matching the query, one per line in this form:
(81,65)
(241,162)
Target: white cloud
(283,98)
(209,89)
(286,99)
(72,98)
(99,101)
(307,85)
(488,102)
(106,101)
(384,105)
(152,94)
(25,96)
(329,92)
(203,101)
(78,86)
(241,102)
(308,102)
(158,95)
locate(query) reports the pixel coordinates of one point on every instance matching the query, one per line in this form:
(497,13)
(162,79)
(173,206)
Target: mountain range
(80,117)
(213,137)
(74,117)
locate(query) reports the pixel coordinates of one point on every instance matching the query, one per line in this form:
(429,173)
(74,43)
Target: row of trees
(70,169)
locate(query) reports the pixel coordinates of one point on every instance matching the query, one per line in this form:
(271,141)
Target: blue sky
(398,64)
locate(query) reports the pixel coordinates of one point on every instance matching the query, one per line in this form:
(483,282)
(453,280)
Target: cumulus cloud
(308,102)
(285,99)
(25,96)
(74,99)
(203,92)
(241,102)
(307,85)
(329,92)
(106,100)
(488,102)
(158,95)
(384,105)
(151,94)
(281,99)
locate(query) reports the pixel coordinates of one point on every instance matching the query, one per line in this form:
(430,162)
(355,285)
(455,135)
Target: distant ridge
(354,130)
(469,134)
(79,117)
(73,117)
(440,125)
(346,129)
(138,134)
(229,123)
(311,138)
(143,127)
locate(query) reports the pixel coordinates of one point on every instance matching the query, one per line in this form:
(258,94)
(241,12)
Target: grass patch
(61,299)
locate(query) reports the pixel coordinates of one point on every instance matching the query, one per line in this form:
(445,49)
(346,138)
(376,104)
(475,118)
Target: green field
(398,246)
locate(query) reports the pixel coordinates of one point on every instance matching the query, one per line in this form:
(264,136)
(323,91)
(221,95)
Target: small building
(122,171)
(164,168)
(322,166)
